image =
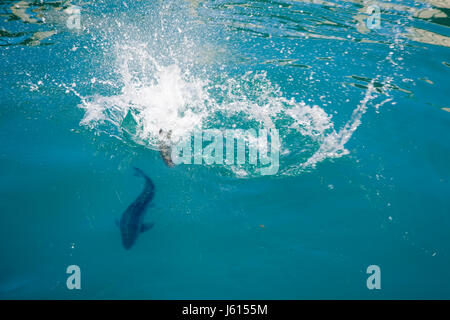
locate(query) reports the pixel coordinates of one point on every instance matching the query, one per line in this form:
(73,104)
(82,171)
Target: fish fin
(146,226)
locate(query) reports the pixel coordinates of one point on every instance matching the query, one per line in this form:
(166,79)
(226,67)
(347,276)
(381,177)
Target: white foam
(170,97)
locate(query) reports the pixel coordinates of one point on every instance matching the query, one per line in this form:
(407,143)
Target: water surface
(363,117)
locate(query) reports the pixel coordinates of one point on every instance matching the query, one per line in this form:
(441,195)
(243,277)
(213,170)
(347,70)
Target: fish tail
(149,186)
(138,172)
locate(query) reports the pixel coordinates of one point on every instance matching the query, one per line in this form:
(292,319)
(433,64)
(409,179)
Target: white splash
(171,98)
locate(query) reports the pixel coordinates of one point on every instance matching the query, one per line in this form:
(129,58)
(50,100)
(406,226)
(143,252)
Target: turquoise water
(364,163)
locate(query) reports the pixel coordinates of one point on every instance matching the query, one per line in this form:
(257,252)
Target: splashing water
(155,97)
(170,79)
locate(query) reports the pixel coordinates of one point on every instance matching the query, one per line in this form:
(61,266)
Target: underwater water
(362,112)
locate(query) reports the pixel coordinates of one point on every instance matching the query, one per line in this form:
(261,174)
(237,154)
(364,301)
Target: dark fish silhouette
(131,223)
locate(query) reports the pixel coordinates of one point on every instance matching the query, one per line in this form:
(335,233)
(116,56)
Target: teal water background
(363,177)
